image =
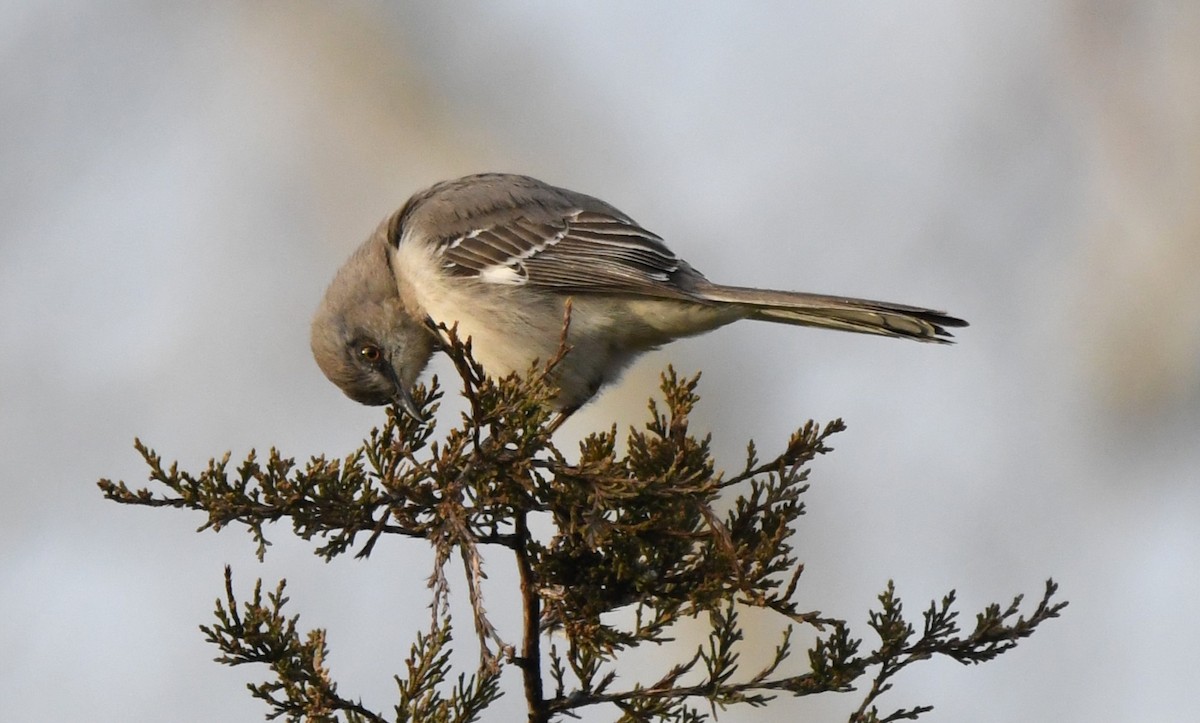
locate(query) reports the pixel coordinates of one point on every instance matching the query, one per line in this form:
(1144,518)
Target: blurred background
(180,182)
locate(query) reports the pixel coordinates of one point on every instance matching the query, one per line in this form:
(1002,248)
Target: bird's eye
(370,353)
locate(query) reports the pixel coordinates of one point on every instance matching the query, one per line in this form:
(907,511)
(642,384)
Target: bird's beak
(402,398)
(404,401)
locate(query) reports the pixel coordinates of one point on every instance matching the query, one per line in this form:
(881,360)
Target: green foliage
(638,547)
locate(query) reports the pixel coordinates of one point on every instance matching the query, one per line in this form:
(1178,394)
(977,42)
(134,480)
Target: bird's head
(364,339)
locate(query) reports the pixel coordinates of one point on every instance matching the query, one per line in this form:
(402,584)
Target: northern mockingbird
(500,255)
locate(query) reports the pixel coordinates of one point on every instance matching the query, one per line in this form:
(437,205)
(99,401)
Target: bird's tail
(838,312)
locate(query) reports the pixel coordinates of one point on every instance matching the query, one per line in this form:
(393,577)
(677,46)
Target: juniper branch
(635,531)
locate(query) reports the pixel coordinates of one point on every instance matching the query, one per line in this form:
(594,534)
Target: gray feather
(864,316)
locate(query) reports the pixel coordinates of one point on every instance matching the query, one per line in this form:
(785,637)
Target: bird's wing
(577,251)
(514,230)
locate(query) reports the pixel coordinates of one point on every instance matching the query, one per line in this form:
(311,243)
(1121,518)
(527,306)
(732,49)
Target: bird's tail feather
(838,312)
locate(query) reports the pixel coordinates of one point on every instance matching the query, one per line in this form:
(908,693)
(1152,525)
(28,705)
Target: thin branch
(530,661)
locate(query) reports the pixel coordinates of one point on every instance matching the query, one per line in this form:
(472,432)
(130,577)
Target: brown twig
(530,661)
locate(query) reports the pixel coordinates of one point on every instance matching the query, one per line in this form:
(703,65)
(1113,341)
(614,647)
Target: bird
(503,257)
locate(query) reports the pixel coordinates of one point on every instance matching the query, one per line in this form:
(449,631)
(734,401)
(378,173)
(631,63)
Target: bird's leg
(560,418)
(439,332)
